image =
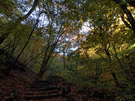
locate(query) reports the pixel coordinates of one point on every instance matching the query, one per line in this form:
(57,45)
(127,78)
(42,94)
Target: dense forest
(90,43)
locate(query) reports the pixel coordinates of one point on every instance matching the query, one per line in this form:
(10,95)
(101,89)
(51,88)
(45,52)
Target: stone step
(39,97)
(42,93)
(44,89)
(44,82)
(43,86)
(55,91)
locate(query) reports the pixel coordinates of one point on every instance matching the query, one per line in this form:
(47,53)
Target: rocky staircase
(46,91)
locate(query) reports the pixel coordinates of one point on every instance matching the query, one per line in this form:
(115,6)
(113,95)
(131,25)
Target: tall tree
(59,22)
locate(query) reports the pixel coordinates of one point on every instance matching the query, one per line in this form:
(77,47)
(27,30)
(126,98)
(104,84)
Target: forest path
(47,91)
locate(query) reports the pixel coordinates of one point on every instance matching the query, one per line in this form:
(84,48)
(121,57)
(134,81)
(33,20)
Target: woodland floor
(16,80)
(30,88)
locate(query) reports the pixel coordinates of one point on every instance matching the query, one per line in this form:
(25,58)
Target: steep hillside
(15,83)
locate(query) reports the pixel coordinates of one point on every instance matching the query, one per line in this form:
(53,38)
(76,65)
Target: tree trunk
(115,79)
(64,60)
(18,21)
(129,17)
(28,38)
(110,60)
(127,12)
(77,60)
(43,66)
(41,73)
(10,67)
(46,59)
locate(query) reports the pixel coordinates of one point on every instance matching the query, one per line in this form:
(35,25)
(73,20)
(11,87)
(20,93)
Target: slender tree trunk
(130,18)
(115,79)
(9,69)
(34,58)
(113,74)
(44,65)
(64,60)
(110,63)
(77,60)
(43,68)
(46,59)
(126,72)
(108,54)
(28,38)
(18,21)
(116,55)
(42,72)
